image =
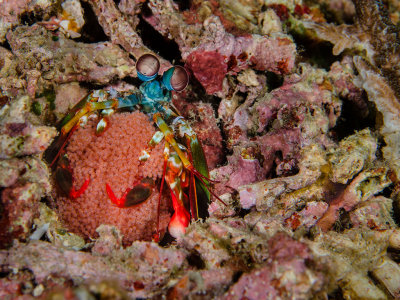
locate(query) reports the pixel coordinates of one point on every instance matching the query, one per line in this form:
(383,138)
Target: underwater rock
(211,283)
(378,39)
(342,10)
(9,77)
(66,96)
(364,185)
(18,137)
(61,60)
(17,285)
(388,105)
(24,169)
(12,11)
(344,80)
(109,240)
(352,155)
(275,54)
(221,210)
(69,21)
(243,168)
(374,213)
(140,269)
(209,67)
(203,242)
(263,194)
(313,182)
(308,216)
(373,33)
(299,113)
(48,224)
(117,26)
(290,272)
(357,252)
(19,205)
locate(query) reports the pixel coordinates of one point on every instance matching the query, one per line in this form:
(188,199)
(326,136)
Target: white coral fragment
(388,105)
(264,194)
(352,154)
(342,37)
(388,274)
(350,256)
(269,22)
(248,77)
(74,9)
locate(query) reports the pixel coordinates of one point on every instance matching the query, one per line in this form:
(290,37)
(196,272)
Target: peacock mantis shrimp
(185,168)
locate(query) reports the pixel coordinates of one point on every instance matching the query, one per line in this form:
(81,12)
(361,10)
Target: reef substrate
(297,106)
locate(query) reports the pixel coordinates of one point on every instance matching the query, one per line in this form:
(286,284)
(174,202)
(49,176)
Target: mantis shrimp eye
(176,78)
(147,67)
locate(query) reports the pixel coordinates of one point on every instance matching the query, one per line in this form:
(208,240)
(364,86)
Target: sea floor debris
(296,103)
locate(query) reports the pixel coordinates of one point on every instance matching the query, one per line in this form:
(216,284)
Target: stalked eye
(176,78)
(147,67)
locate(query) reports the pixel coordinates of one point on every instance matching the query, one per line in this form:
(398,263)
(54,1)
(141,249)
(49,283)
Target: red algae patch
(113,158)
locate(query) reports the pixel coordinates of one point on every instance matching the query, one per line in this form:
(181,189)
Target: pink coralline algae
(274,54)
(209,67)
(240,170)
(286,275)
(342,76)
(113,158)
(20,205)
(266,134)
(138,269)
(213,280)
(239,53)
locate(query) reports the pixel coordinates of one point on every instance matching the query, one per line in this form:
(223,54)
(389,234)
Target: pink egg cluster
(113,158)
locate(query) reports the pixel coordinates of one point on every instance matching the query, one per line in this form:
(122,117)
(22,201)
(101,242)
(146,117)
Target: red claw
(76,193)
(119,202)
(136,195)
(65,179)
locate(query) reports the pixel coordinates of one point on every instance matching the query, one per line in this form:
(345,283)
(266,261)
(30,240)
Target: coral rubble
(46,59)
(24,177)
(296,105)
